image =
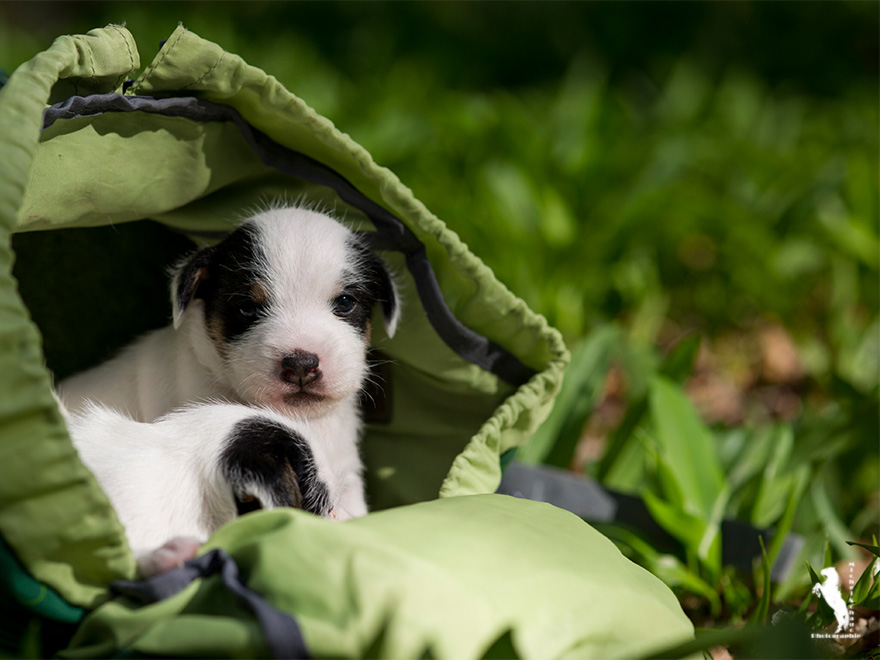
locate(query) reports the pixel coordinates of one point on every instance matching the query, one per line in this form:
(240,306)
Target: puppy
(175,481)
(278,314)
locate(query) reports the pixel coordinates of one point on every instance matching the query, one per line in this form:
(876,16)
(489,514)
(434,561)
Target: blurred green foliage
(645,175)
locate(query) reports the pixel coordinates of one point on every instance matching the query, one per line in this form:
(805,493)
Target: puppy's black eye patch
(233,314)
(372,283)
(235,294)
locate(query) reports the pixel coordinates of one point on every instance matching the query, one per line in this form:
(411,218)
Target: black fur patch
(262,452)
(227,277)
(369,285)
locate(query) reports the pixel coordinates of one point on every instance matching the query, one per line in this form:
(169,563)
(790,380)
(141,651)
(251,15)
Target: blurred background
(688,191)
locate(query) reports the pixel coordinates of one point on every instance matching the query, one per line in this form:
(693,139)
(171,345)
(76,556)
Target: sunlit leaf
(866,584)
(687,447)
(873,549)
(834,527)
(702,538)
(555,441)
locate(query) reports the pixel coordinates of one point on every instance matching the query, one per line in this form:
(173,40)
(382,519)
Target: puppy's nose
(300,368)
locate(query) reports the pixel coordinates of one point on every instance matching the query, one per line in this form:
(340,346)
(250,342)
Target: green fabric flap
(120,167)
(448,577)
(53,516)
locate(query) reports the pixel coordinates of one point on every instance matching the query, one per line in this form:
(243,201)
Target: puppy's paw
(169,556)
(339,514)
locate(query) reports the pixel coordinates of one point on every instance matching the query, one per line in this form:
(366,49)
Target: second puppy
(175,481)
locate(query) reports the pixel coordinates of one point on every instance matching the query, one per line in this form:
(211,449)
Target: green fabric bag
(196,139)
(449,577)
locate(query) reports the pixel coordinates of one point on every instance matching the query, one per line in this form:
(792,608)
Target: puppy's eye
(344,304)
(248,309)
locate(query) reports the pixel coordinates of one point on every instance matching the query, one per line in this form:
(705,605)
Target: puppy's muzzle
(300,368)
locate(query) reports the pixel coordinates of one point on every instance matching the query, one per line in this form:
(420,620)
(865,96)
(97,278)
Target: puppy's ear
(387,296)
(377,279)
(188,275)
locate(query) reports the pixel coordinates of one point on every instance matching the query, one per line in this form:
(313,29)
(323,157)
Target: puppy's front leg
(352,503)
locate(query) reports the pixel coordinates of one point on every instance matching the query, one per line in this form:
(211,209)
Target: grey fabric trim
(392,232)
(281,631)
(97,104)
(589,500)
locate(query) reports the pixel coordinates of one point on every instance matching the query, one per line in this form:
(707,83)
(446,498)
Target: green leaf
(873,549)
(836,530)
(866,591)
(701,538)
(672,492)
(862,590)
(556,439)
(677,365)
(774,483)
(557,224)
(687,447)
(799,482)
(668,568)
(679,362)
(622,442)
(753,457)
(853,235)
(859,362)
(759,616)
(798,257)
(629,469)
(686,527)
(805,604)
(814,578)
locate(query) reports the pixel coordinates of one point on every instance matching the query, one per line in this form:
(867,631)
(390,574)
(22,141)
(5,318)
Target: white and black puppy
(175,481)
(278,314)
